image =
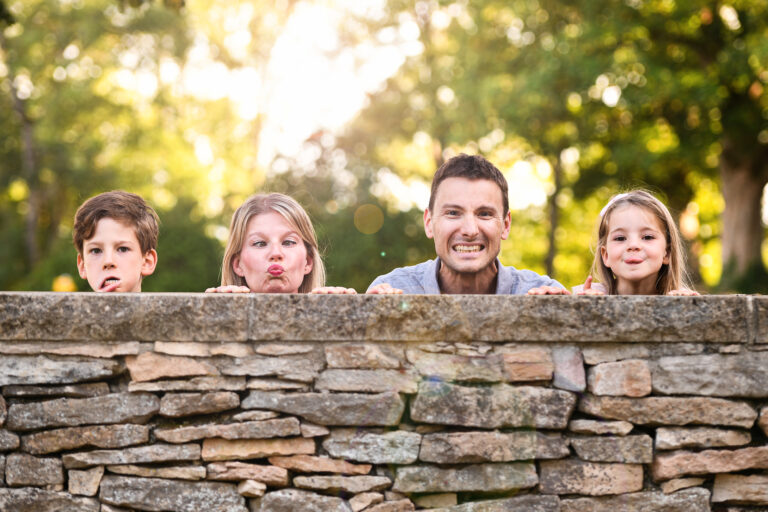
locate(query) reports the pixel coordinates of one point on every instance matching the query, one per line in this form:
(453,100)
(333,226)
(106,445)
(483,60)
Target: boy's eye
(94,250)
(123,248)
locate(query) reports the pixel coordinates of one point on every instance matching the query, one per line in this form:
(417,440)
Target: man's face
(467,223)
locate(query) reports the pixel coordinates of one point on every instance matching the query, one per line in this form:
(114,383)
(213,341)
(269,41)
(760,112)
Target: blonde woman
(272,248)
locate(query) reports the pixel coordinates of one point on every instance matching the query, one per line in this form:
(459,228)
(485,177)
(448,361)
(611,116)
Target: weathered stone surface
(404,505)
(343,484)
(236,471)
(742,375)
(332,409)
(358,355)
(85,483)
(177,495)
(747,490)
(688,500)
(175,405)
(311,430)
(2,471)
(496,406)
(467,447)
(71,348)
(679,463)
(674,438)
(629,449)
(110,508)
(671,486)
(445,499)
(530,503)
(527,365)
(452,367)
(311,464)
(3,411)
(276,385)
(600,427)
(48,370)
(623,378)
(671,410)
(574,476)
(123,317)
(193,349)
(368,381)
(26,470)
(176,472)
(71,412)
(360,501)
(99,436)
(136,455)
(255,415)
(30,499)
(478,477)
(224,449)
(282,427)
(69,391)
(294,500)
(251,488)
(396,447)
(283,349)
(763,421)
(568,369)
(760,305)
(303,368)
(609,352)
(215,383)
(151,366)
(8,441)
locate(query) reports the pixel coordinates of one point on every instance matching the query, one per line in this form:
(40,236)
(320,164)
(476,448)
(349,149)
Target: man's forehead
(469,193)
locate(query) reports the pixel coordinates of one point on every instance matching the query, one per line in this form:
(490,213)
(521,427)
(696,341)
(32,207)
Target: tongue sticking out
(110,285)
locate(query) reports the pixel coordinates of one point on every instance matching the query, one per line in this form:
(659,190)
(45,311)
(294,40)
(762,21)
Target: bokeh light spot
(368,219)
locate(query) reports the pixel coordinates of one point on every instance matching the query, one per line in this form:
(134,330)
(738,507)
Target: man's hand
(588,290)
(334,290)
(230,288)
(548,290)
(384,289)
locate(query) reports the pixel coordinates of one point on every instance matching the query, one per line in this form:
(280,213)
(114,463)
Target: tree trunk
(743,179)
(554,219)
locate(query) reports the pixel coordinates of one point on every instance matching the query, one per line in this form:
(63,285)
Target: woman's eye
(259,243)
(289,242)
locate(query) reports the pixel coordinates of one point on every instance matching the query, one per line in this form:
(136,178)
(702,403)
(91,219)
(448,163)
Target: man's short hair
(121,206)
(473,167)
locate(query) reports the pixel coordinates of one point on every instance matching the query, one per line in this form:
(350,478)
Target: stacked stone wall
(192,402)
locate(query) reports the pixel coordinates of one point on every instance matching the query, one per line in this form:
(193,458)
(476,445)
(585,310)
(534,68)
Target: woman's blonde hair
(294,214)
(672,276)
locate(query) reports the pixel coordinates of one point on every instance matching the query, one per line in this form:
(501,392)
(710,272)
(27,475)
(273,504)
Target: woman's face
(273,258)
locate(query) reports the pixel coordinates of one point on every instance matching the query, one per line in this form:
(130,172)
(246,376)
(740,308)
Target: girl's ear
(604,255)
(665,261)
(236,266)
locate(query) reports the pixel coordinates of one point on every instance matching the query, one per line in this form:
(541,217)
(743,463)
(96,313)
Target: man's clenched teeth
(467,248)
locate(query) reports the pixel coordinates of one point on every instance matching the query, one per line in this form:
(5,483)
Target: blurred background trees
(351,106)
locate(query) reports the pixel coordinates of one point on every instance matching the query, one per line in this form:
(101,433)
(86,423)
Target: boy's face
(112,260)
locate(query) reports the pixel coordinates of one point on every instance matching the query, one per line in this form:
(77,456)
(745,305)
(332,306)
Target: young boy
(115,235)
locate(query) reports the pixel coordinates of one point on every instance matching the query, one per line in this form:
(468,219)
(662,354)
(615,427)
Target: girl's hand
(587,288)
(548,290)
(230,288)
(384,289)
(334,290)
(683,291)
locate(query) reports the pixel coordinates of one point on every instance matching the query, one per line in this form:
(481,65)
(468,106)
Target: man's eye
(485,214)
(452,213)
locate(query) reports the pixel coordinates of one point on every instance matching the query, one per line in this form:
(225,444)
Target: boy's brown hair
(121,206)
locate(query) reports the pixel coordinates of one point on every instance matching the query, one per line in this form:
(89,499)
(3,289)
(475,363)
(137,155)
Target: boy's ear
(149,263)
(236,266)
(81,266)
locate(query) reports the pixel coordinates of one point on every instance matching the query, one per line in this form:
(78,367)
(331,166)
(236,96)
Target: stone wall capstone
(192,402)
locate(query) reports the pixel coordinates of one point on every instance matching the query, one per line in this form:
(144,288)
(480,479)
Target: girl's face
(635,249)
(274,258)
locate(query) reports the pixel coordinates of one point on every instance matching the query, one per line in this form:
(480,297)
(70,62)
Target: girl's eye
(619,238)
(648,237)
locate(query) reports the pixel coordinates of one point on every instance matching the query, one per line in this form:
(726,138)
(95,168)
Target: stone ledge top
(49,316)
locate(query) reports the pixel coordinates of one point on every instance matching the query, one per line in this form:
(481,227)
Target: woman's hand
(684,292)
(334,290)
(587,289)
(230,288)
(548,290)
(384,289)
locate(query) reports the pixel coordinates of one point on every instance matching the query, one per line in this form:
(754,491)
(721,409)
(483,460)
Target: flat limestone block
(573,476)
(23,370)
(292,500)
(474,478)
(750,490)
(740,375)
(177,495)
(530,503)
(362,445)
(31,499)
(760,305)
(687,500)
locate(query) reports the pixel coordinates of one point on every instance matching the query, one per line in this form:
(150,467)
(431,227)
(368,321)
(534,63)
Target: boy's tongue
(110,285)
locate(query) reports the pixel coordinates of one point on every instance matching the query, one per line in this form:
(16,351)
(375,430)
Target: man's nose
(469,225)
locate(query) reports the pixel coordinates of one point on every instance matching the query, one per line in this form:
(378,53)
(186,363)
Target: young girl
(639,250)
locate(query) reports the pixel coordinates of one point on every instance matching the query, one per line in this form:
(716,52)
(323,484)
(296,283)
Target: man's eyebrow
(452,207)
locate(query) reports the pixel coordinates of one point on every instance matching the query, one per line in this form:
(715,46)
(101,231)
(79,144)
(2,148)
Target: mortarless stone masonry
(188,402)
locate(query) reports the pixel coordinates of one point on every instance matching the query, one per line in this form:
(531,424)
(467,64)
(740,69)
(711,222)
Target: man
(468,217)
